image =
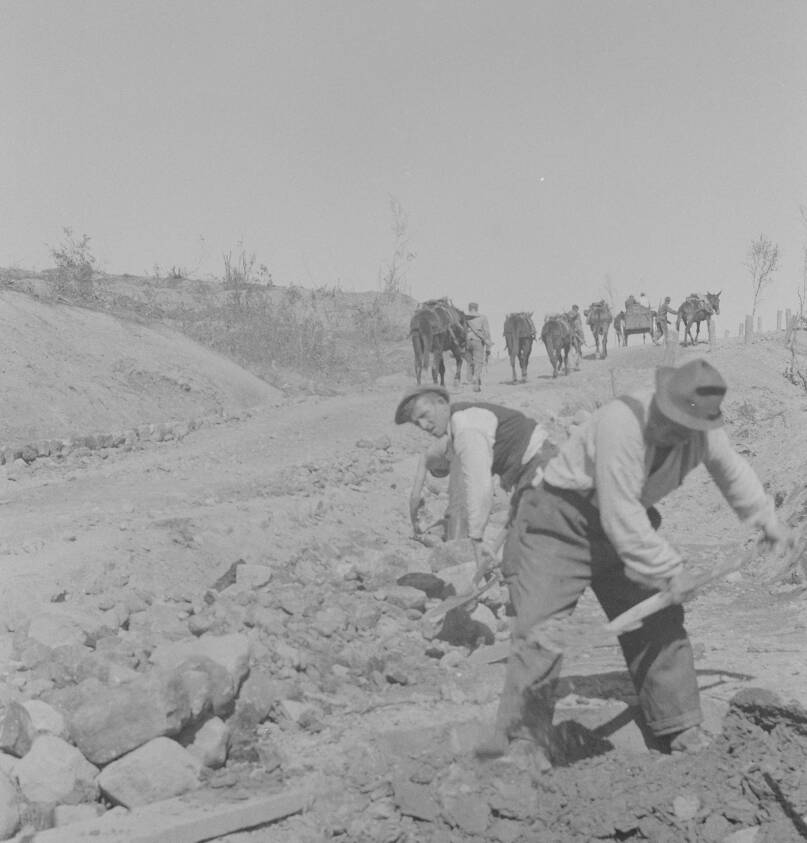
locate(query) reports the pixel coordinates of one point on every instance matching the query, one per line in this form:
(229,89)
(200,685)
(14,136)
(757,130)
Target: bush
(75,265)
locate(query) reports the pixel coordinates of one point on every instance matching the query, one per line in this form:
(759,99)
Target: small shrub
(75,265)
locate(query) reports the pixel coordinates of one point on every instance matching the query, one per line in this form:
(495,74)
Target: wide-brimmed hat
(405,404)
(690,395)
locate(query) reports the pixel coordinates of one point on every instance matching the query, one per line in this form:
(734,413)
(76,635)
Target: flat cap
(405,404)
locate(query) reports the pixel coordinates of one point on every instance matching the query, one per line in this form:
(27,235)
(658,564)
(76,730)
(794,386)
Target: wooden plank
(187,819)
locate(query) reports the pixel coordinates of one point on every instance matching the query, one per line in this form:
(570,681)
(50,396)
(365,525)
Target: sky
(542,152)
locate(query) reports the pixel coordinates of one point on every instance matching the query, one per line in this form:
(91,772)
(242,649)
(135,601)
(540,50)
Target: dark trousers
(555,549)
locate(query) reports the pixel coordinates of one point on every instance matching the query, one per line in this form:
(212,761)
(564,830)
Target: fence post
(749,328)
(778,320)
(711,326)
(759,324)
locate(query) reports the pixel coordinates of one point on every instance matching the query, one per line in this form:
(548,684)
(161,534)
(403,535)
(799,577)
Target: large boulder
(54,771)
(61,625)
(158,770)
(116,720)
(230,651)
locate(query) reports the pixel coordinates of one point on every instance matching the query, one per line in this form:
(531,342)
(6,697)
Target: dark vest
(513,433)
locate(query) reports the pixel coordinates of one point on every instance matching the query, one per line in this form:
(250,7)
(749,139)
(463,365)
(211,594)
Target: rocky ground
(226,596)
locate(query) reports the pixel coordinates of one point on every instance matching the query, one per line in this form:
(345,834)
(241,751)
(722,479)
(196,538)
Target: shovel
(460,600)
(633,617)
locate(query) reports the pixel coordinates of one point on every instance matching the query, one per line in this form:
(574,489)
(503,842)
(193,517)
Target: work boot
(689,741)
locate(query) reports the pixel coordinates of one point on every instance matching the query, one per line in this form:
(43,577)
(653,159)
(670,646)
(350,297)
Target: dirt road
(317,489)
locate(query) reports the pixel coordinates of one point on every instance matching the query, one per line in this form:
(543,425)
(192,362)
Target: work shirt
(664,309)
(487,440)
(478,328)
(609,460)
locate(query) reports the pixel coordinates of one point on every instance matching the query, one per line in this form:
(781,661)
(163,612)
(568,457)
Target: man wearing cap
(588,523)
(578,337)
(662,321)
(478,343)
(482,440)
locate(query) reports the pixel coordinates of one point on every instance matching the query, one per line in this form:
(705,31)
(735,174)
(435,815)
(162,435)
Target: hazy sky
(536,147)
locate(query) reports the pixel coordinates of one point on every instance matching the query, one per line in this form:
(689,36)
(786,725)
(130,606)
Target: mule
(556,335)
(696,310)
(435,328)
(599,321)
(519,335)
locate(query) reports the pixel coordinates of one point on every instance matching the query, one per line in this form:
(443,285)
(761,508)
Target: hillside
(299,340)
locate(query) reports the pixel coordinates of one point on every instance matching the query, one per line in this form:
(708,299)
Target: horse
(599,320)
(556,335)
(519,335)
(436,327)
(619,328)
(696,310)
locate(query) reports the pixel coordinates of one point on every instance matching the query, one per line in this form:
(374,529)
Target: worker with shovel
(483,440)
(588,523)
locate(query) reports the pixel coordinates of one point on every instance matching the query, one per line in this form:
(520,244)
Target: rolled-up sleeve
(737,481)
(620,476)
(473,435)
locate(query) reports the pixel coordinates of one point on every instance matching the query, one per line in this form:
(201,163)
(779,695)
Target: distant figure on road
(578,337)
(663,323)
(643,300)
(479,344)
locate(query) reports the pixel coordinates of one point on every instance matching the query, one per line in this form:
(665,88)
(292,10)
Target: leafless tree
(610,292)
(392,277)
(802,293)
(761,263)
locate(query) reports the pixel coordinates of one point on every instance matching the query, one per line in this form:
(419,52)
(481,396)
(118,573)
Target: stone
(45,719)
(330,620)
(743,835)
(430,584)
(209,686)
(267,619)
(9,807)
(505,831)
(406,597)
(211,743)
(686,806)
(483,615)
(460,577)
(470,813)
(116,720)
(7,764)
(451,554)
(230,651)
(61,625)
(715,828)
(55,771)
(157,770)
(253,576)
(259,694)
(68,814)
(16,730)
(161,621)
(415,800)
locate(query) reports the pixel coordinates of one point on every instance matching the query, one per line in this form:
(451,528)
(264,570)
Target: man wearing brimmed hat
(482,440)
(588,523)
